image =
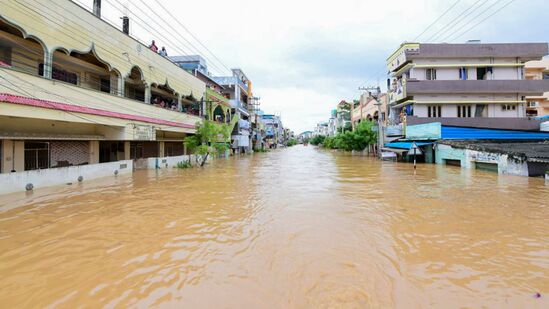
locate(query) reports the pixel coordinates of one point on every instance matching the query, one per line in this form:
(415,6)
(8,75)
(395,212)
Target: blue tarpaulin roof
(405,145)
(490,134)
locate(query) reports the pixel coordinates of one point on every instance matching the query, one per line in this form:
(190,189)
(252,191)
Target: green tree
(358,139)
(209,138)
(317,140)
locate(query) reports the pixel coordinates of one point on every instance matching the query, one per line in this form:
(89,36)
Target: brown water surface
(295,228)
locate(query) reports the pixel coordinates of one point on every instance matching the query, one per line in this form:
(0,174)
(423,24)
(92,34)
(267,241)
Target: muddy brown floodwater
(294,228)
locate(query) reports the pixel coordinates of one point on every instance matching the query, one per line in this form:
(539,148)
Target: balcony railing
(50,94)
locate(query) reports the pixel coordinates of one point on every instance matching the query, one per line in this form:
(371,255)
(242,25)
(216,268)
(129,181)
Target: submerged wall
(470,158)
(18,181)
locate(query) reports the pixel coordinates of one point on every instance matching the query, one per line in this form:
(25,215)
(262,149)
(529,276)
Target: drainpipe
(97,8)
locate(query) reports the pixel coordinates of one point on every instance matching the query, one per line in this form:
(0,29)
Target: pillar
(127,150)
(185,145)
(48,63)
(161,147)
(121,86)
(13,156)
(179,103)
(148,94)
(94,152)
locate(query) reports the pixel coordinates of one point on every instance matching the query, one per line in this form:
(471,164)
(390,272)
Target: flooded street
(294,228)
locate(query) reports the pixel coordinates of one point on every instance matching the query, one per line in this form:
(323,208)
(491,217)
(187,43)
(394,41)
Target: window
(59,74)
(481,73)
(464,111)
(431,74)
(479,110)
(105,84)
(37,155)
(434,111)
(508,107)
(463,73)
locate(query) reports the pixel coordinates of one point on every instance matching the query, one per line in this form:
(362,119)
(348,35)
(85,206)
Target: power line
(452,22)
(483,20)
(442,15)
(192,35)
(76,35)
(176,46)
(457,29)
(456,25)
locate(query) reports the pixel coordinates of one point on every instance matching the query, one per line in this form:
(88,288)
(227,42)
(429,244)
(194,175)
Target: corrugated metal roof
(490,134)
(405,145)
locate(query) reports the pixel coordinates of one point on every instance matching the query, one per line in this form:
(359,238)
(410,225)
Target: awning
(395,150)
(406,145)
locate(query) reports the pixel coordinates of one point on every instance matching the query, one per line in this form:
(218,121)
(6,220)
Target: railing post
(48,64)
(147,94)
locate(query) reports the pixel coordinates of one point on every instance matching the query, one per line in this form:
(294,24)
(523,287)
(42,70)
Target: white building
(470,80)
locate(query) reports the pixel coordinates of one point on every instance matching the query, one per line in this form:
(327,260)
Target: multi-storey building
(343,120)
(75,91)
(332,123)
(321,129)
(274,131)
(537,105)
(367,109)
(216,105)
(238,89)
(470,80)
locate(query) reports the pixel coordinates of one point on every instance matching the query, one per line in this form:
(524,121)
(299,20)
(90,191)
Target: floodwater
(293,228)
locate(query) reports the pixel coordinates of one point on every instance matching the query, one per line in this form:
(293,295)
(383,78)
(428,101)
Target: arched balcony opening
(163,96)
(191,105)
(219,114)
(134,85)
(95,73)
(84,69)
(376,115)
(20,52)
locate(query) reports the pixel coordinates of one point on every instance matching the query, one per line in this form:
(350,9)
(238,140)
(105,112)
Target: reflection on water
(293,228)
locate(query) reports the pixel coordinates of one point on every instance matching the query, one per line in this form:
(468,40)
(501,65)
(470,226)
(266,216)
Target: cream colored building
(367,109)
(537,105)
(75,90)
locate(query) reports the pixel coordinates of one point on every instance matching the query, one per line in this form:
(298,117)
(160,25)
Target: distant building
(343,116)
(274,132)
(238,89)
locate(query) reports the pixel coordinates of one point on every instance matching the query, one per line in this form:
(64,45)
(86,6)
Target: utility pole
(375,93)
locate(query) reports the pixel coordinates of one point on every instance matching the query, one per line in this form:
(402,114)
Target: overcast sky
(304,56)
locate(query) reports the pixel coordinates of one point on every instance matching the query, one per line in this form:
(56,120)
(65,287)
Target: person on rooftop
(153,47)
(163,52)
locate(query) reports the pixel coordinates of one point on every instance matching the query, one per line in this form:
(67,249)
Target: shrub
(184,164)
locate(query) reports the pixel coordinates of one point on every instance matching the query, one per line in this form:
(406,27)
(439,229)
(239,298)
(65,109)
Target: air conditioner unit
(533,104)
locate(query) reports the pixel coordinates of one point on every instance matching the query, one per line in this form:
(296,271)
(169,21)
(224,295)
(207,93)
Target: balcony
(524,87)
(29,96)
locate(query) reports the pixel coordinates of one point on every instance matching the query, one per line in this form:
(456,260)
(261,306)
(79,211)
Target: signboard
(142,132)
(424,131)
(414,150)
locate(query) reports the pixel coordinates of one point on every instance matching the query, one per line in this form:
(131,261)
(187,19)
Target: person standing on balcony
(163,52)
(153,47)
